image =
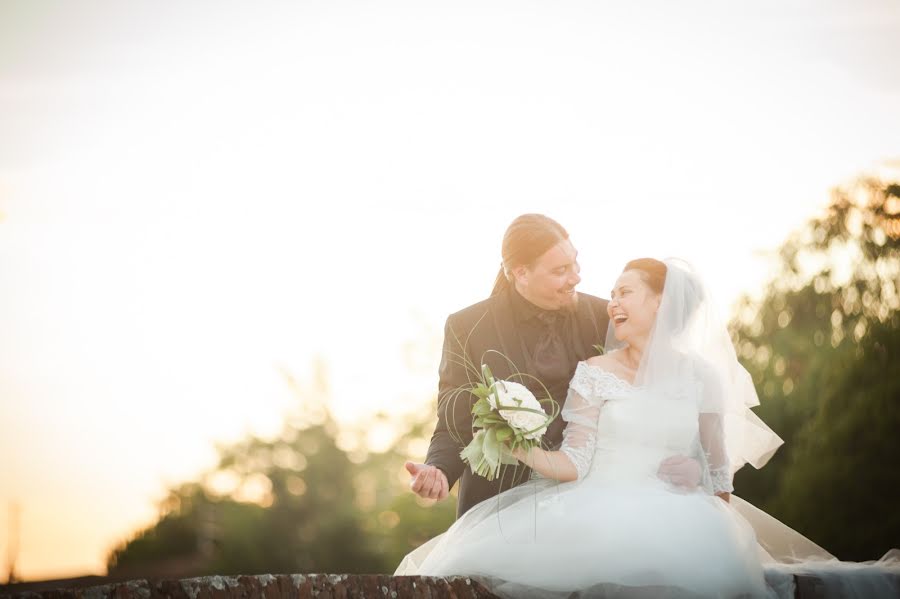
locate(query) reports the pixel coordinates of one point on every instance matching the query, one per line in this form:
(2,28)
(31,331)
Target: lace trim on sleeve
(594,383)
(587,392)
(581,454)
(582,381)
(721,480)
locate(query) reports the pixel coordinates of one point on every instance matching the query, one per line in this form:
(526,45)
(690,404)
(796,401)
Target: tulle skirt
(637,539)
(597,538)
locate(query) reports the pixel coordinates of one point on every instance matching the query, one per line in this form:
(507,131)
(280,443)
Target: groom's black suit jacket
(473,332)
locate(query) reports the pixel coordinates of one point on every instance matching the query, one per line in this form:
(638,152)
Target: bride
(597,519)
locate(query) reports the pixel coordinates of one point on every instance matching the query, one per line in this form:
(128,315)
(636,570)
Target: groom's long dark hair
(526,239)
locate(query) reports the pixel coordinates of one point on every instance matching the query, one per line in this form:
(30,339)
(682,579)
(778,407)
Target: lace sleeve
(717,474)
(581,415)
(715,465)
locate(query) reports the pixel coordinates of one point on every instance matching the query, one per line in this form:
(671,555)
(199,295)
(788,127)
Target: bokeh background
(230,233)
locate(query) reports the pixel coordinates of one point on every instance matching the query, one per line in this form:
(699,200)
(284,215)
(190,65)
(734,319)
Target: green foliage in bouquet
(504,422)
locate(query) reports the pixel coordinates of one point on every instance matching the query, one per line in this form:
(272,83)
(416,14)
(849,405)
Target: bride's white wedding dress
(619,527)
(620,530)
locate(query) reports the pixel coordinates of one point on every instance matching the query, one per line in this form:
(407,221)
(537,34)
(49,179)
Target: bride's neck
(634,351)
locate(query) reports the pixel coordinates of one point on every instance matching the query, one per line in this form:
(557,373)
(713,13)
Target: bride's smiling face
(632,306)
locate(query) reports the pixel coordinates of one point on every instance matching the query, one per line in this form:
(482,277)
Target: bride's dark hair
(652,271)
(526,239)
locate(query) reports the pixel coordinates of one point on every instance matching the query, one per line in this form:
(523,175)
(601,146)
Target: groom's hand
(681,471)
(428,482)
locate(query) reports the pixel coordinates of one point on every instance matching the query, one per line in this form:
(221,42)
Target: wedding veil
(690,354)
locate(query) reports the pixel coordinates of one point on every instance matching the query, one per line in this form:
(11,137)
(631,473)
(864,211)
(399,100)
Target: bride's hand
(520,454)
(681,471)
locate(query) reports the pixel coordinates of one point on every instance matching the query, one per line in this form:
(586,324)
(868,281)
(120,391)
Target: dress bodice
(635,429)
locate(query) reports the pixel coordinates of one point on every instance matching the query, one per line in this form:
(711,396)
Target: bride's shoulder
(703,368)
(604,362)
(599,374)
(608,362)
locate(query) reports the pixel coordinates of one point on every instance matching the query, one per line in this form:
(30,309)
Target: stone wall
(290,586)
(287,586)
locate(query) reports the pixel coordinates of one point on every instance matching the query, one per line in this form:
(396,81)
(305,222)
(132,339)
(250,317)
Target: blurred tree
(823,346)
(299,503)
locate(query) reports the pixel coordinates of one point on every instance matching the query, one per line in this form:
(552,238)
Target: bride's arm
(549,464)
(712,450)
(574,457)
(712,440)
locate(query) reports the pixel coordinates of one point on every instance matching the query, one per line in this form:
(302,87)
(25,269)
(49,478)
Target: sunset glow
(196,199)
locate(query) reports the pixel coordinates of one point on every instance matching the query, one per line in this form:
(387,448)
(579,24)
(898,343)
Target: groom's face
(550,282)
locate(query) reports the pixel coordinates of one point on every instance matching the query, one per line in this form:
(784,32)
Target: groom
(535,318)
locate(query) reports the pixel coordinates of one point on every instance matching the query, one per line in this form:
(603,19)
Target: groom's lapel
(507,335)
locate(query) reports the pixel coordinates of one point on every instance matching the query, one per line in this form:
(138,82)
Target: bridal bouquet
(507,416)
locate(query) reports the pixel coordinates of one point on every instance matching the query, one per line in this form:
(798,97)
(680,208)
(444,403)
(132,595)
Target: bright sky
(195,195)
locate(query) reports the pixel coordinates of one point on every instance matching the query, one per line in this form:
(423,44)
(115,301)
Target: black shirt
(532,328)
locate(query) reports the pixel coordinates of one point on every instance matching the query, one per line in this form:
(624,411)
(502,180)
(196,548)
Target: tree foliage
(298,503)
(823,346)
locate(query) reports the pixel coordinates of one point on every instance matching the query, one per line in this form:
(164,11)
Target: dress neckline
(609,374)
